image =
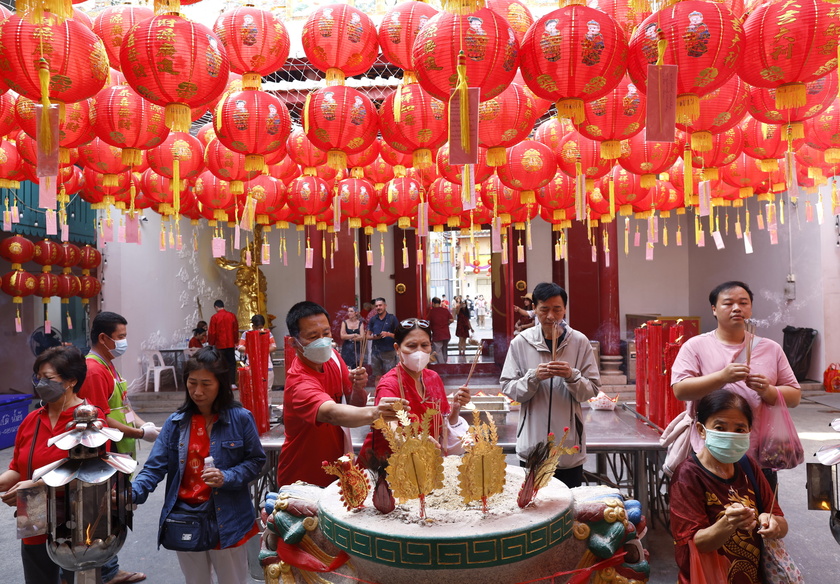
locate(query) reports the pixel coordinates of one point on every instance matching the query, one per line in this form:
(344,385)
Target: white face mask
(416,361)
(120,347)
(319,350)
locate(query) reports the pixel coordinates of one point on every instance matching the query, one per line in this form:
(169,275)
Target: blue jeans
(110,569)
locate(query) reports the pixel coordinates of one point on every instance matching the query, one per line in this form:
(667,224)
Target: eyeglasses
(410,323)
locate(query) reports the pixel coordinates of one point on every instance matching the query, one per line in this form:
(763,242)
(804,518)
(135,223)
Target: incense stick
(554,342)
(475,361)
(749,335)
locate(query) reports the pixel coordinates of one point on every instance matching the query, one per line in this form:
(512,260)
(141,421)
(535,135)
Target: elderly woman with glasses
(411,380)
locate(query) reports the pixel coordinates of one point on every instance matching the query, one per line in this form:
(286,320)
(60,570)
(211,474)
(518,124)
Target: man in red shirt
(439,319)
(321,399)
(224,335)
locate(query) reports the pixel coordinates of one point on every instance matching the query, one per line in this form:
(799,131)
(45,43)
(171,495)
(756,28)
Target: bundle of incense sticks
(360,358)
(475,361)
(749,335)
(554,341)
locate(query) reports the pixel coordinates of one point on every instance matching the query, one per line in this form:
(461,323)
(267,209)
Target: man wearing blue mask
(322,398)
(105,388)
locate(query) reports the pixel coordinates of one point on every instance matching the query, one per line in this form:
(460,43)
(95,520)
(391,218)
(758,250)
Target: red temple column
(410,280)
(584,311)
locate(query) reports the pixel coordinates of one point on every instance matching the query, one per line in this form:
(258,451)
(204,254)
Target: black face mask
(49,390)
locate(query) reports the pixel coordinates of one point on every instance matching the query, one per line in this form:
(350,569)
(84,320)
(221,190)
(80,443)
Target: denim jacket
(237,452)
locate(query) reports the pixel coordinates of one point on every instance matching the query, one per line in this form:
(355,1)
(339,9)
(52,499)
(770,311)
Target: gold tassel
(791,95)
(237,187)
(453,221)
(768,164)
(572,108)
(648,181)
(688,175)
(611,149)
(306,113)
(422,158)
(45,136)
(497,156)
(254,162)
(701,141)
(688,107)
(176,185)
(335,76)
(612,195)
(462,88)
(832,155)
(251,81)
(177,117)
(110,180)
(527,197)
(746,192)
(796,130)
(398,104)
(661,46)
(336,159)
(711,173)
(131,157)
(409,77)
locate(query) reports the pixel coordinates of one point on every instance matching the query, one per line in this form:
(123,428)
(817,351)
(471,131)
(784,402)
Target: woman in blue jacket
(209,424)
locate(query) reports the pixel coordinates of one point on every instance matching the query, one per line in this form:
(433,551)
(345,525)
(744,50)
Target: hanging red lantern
(286,170)
(69,285)
(400,161)
(213,193)
(121,118)
(340,120)
(175,63)
(357,199)
(489,45)
(47,254)
(557,196)
(823,132)
(8,120)
(477,217)
(445,199)
(648,159)
(95,191)
(819,94)
(269,195)
(787,45)
(253,123)
(104,159)
(70,257)
(666,198)
(768,143)
(74,57)
(454,172)
(569,63)
(703,38)
(627,188)
(256,41)
(725,147)
(425,175)
(401,198)
(74,130)
(89,287)
(720,109)
(551,132)
(206,133)
(305,153)
(357,162)
(340,40)
(229,166)
(19,284)
(18,250)
(502,200)
(156,187)
(617,116)
(113,23)
(744,172)
(70,180)
(516,13)
(576,150)
(46,286)
(379,172)
(10,166)
(627,13)
(505,120)
(89,259)
(179,157)
(309,196)
(418,126)
(397,31)
(530,166)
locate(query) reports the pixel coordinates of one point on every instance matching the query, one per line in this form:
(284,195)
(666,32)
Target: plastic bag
(779,445)
(708,567)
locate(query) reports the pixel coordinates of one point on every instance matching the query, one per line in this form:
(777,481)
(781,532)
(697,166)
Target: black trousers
(38,568)
(229,356)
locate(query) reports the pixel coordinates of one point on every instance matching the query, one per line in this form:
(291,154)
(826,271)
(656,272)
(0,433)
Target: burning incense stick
(749,335)
(475,361)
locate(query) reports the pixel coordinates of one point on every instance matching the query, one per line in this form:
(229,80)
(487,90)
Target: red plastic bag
(708,567)
(779,445)
(831,378)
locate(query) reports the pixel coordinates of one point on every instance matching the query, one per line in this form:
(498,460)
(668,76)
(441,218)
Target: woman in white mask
(720,501)
(423,388)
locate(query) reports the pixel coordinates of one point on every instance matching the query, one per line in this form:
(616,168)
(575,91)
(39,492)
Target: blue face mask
(727,447)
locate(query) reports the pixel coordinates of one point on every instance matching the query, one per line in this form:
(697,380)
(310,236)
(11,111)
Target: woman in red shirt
(59,374)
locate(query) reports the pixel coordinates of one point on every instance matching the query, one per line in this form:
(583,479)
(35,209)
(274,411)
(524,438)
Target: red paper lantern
(503,201)
(89,259)
(819,94)
(666,198)
(418,126)
(379,172)
(17,250)
(70,180)
(648,159)
(340,40)
(113,23)
(744,172)
(704,39)
(10,166)
(286,170)
(74,56)
(576,150)
(477,217)
(401,198)
(309,196)
(253,123)
(69,285)
(823,132)
(256,41)
(530,166)
(269,194)
(180,154)
(552,131)
(123,119)
(445,199)
(8,120)
(358,200)
(627,187)
(505,120)
(342,121)
(175,63)
(104,159)
(786,45)
(617,116)
(720,110)
(89,287)
(725,147)
(206,133)
(101,195)
(156,187)
(516,13)
(71,256)
(489,44)
(357,162)
(625,12)
(74,130)
(454,172)
(573,55)
(229,166)
(557,196)
(47,286)
(19,284)
(768,143)
(47,253)
(400,161)
(214,194)
(305,153)
(398,30)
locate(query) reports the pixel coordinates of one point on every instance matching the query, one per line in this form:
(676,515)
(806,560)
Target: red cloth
(193,489)
(438,318)
(41,453)
(99,384)
(195,343)
(223,332)
(699,498)
(309,442)
(435,398)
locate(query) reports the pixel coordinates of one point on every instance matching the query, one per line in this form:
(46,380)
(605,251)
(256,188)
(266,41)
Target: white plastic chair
(156,366)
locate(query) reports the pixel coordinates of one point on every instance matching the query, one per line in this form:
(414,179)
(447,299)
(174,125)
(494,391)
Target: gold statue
(250,280)
(483,467)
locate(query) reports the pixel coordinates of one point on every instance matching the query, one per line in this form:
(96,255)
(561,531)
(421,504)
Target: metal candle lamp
(86,523)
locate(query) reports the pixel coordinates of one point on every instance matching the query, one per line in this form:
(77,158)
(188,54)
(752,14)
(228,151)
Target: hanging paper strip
(496,235)
(48,192)
(266,254)
(218,247)
(47,159)
(237,236)
(505,248)
(705,194)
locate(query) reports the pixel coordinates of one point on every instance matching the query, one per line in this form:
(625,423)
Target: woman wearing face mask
(713,498)
(59,373)
(422,387)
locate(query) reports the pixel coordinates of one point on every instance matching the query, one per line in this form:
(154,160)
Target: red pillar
(609,331)
(411,279)
(583,283)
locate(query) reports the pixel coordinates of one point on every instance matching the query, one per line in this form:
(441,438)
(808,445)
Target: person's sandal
(124,577)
